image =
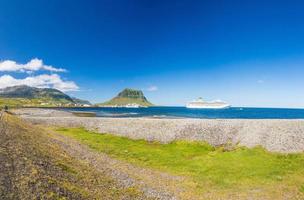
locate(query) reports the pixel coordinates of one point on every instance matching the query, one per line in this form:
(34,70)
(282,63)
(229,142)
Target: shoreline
(248,113)
(275,135)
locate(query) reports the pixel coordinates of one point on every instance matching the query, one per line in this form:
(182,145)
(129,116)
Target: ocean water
(182,112)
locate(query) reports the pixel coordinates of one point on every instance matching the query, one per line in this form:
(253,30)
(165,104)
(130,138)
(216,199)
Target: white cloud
(260,81)
(33,65)
(40,81)
(152,88)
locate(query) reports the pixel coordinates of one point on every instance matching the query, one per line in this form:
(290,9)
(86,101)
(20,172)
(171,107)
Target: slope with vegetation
(81,101)
(26,96)
(128,97)
(35,166)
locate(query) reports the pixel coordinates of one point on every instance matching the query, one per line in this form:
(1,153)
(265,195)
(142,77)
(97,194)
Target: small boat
(201,104)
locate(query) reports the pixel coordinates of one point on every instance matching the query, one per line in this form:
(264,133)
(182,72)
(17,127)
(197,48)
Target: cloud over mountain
(33,65)
(40,81)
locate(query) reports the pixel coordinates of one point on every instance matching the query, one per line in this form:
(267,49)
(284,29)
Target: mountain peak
(128,97)
(131,93)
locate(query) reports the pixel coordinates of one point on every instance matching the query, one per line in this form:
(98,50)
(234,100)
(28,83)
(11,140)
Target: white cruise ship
(200,103)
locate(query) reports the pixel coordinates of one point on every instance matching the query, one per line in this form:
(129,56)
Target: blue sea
(182,112)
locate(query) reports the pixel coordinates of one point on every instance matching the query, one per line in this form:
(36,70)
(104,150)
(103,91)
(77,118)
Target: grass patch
(84,114)
(66,167)
(302,188)
(239,168)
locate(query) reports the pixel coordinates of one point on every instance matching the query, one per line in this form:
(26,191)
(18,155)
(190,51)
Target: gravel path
(286,136)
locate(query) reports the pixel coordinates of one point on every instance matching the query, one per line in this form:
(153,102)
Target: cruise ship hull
(208,106)
(201,104)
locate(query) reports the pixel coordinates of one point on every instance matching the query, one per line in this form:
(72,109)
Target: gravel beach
(285,136)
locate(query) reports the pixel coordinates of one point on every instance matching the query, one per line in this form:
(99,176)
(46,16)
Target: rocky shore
(286,136)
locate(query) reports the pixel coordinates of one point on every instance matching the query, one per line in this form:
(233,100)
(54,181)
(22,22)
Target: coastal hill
(128,97)
(81,101)
(24,91)
(23,95)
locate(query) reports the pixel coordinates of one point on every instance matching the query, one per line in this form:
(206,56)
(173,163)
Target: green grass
(302,188)
(205,165)
(84,114)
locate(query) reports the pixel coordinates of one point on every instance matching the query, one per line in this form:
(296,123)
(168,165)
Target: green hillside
(81,101)
(26,96)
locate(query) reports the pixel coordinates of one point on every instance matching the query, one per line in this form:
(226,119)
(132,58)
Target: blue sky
(248,53)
